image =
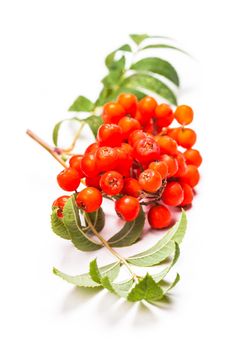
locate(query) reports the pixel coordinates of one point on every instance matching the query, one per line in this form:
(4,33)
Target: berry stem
(47,147)
(116,254)
(70,149)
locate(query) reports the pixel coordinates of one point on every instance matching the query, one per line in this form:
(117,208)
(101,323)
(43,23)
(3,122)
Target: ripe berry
(146,150)
(136,136)
(172,132)
(193,157)
(146,107)
(106,158)
(132,187)
(128,125)
(69,179)
(164,115)
(60,202)
(92,148)
(124,159)
(89,199)
(149,127)
(161,167)
(186,137)
(75,162)
(127,208)
(171,163)
(111,182)
(184,114)
(167,145)
(150,180)
(188,194)
(191,176)
(182,166)
(112,113)
(173,194)
(109,135)
(159,217)
(88,165)
(129,103)
(93,182)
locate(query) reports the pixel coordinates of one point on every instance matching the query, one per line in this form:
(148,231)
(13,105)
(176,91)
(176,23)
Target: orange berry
(167,144)
(161,167)
(186,137)
(171,163)
(191,176)
(193,157)
(188,194)
(173,194)
(150,180)
(159,217)
(184,114)
(164,115)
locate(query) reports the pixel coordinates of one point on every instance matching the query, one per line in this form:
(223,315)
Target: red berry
(171,163)
(146,107)
(173,194)
(109,135)
(172,132)
(188,194)
(182,166)
(150,180)
(164,115)
(89,199)
(184,114)
(129,103)
(146,150)
(112,113)
(128,125)
(75,162)
(127,207)
(159,217)
(193,157)
(167,145)
(191,176)
(92,148)
(124,159)
(106,158)
(161,167)
(136,136)
(69,179)
(111,182)
(60,202)
(132,187)
(88,165)
(93,182)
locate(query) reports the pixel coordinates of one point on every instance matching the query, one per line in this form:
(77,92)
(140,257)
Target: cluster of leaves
(127,74)
(149,287)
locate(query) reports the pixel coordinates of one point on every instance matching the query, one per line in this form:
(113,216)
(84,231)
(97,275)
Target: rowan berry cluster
(138,158)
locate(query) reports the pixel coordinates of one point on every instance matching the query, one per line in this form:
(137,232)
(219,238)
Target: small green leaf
(164,46)
(58,226)
(158,66)
(56,130)
(146,289)
(121,289)
(85,280)
(110,58)
(138,38)
(130,232)
(145,81)
(81,239)
(164,247)
(171,285)
(82,104)
(94,272)
(159,276)
(94,123)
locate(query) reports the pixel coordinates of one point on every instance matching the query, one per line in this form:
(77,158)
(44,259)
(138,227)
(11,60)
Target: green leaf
(164,46)
(94,123)
(158,66)
(146,289)
(137,81)
(85,280)
(94,272)
(82,104)
(159,276)
(121,289)
(58,226)
(110,58)
(171,285)
(98,220)
(56,130)
(130,232)
(164,247)
(138,38)
(82,240)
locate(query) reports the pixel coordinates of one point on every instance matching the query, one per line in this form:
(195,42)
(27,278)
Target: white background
(52,51)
